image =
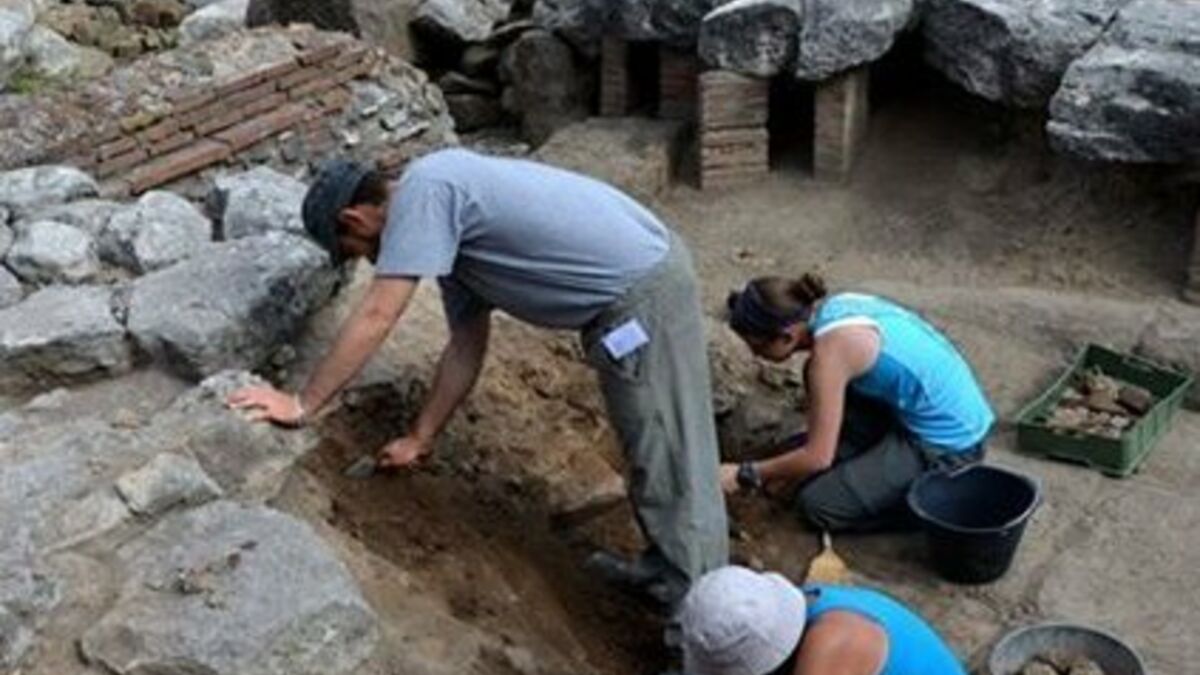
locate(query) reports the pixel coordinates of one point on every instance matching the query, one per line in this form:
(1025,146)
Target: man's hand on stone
(404,452)
(729,481)
(269,404)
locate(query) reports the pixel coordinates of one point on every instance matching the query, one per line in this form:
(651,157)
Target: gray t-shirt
(546,245)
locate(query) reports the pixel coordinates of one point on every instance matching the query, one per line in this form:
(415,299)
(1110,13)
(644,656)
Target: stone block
(167,481)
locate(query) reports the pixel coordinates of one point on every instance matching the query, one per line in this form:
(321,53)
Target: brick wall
(840,123)
(734,142)
(615,77)
(677,76)
(206,125)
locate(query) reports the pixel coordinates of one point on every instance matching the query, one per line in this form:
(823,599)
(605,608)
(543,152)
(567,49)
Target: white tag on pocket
(625,339)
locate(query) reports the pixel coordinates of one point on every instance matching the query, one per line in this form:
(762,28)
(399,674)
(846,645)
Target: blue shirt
(918,372)
(914,647)
(546,245)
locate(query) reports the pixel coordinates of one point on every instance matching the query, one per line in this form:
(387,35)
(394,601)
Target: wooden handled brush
(827,567)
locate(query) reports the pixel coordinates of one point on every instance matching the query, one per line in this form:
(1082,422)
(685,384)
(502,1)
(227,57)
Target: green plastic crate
(1115,457)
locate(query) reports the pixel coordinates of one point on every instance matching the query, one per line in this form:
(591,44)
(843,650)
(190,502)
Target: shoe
(618,571)
(638,578)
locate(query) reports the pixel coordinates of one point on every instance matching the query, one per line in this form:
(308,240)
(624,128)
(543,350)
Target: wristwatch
(748,477)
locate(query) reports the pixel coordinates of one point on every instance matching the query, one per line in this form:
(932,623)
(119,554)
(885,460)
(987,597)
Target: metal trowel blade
(363,467)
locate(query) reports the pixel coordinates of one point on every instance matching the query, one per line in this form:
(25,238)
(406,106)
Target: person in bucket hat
(736,621)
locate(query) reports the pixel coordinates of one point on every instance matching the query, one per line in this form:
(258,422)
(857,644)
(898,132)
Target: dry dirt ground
(948,194)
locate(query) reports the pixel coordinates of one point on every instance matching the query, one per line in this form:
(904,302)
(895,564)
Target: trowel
(828,567)
(362,468)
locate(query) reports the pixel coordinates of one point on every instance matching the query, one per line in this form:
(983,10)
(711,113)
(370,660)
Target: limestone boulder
(579,22)
(380,22)
(53,56)
(458,21)
(752,37)
(38,186)
(1012,52)
(159,230)
(215,590)
(32,486)
(61,334)
(256,202)
(249,461)
(46,252)
(675,22)
(1135,96)
(90,215)
(231,305)
(214,20)
(474,111)
(16,21)
(838,35)
(167,481)
(550,87)
(11,290)
(6,239)
(637,155)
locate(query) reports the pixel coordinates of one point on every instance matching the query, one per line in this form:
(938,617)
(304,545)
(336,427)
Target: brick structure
(1191,292)
(677,77)
(206,125)
(840,123)
(615,77)
(734,142)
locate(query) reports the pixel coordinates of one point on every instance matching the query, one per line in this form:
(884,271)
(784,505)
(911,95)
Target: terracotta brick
(321,54)
(840,123)
(114,148)
(278,70)
(171,143)
(164,129)
(224,120)
(677,84)
(614,77)
(351,56)
(252,131)
(179,163)
(237,84)
(730,100)
(191,99)
(312,87)
(299,77)
(243,98)
(353,71)
(120,163)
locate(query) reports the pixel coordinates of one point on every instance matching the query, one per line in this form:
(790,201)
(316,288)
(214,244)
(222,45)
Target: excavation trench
(488,548)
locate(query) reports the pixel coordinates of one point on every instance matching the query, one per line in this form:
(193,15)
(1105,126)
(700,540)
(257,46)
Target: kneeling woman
(889,399)
(739,622)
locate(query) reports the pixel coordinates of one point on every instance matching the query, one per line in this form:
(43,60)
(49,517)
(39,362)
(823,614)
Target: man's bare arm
(380,309)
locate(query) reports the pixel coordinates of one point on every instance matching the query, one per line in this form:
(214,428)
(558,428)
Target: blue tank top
(914,648)
(919,373)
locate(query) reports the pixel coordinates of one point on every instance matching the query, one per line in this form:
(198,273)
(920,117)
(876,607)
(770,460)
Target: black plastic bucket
(974,519)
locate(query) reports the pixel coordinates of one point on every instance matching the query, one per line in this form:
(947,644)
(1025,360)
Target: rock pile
(106,281)
(151,547)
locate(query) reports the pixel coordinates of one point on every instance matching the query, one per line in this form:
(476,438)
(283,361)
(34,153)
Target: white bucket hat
(736,621)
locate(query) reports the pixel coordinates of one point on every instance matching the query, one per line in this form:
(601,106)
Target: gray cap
(331,191)
(736,621)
